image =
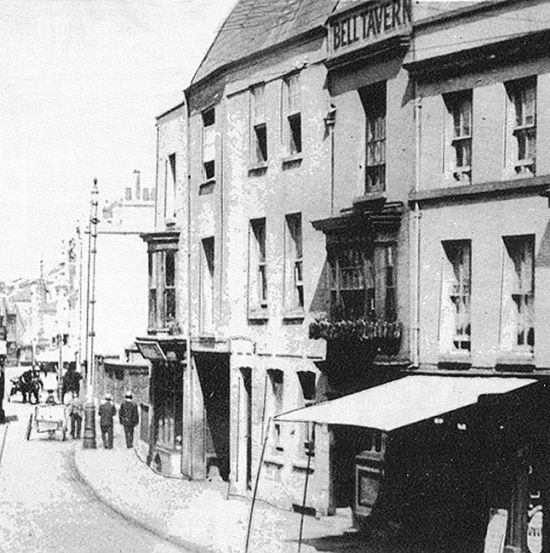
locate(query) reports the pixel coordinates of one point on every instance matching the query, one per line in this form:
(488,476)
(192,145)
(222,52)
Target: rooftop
(256,25)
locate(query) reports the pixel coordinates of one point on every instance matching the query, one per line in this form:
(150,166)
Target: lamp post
(89,408)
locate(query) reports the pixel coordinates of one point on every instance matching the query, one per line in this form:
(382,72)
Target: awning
(406,401)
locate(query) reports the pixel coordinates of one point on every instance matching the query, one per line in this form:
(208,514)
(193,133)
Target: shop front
(161,422)
(449,463)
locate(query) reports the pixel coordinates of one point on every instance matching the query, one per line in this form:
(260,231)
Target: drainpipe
(187,464)
(415,234)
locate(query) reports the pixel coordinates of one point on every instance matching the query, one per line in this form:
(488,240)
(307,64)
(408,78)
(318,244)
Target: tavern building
(357,206)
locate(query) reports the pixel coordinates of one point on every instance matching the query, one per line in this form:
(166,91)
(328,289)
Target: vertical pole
(60,368)
(304,500)
(252,504)
(89,409)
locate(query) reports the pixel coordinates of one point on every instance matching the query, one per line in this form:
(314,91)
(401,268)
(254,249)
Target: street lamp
(89,408)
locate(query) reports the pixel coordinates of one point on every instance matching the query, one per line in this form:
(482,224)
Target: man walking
(75,413)
(107,412)
(129,418)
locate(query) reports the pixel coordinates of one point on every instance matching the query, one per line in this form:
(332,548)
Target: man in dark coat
(107,412)
(129,418)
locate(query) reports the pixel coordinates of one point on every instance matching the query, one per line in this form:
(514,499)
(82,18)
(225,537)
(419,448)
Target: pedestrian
(75,414)
(107,412)
(129,418)
(71,380)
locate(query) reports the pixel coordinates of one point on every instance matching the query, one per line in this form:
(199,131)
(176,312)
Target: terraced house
(347,274)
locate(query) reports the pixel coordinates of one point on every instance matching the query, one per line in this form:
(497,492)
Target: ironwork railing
(384,337)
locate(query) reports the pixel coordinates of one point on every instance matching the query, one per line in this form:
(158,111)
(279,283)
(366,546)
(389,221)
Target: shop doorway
(213,371)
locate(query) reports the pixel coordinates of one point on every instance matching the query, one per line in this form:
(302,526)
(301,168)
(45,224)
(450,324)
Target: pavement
(199,516)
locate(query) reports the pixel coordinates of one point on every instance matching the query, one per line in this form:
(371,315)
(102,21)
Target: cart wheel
(29,428)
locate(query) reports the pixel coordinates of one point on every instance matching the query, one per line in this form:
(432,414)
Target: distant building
(119,289)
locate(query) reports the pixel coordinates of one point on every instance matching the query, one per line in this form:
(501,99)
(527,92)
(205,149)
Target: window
(275,404)
(523,122)
(207,285)
(209,144)
(386,298)
(153,315)
(258,266)
(308,384)
(258,145)
(352,282)
(459,106)
(162,288)
(170,187)
(374,104)
(294,285)
(518,331)
(292,110)
(169,293)
(456,326)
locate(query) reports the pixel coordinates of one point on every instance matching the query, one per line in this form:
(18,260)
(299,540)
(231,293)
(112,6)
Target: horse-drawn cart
(48,418)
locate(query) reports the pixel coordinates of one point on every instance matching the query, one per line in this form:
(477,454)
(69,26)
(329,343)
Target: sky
(81,83)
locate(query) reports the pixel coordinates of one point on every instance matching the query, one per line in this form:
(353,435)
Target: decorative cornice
(455,194)
(370,214)
(393,47)
(485,58)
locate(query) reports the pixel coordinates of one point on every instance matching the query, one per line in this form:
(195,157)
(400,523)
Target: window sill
(372,200)
(294,315)
(258,315)
(274,460)
(299,465)
(455,361)
(516,361)
(292,161)
(207,188)
(257,170)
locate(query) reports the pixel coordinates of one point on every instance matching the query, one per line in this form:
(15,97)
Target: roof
(257,25)
(404,402)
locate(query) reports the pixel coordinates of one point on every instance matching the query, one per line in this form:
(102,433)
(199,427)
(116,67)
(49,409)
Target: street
(44,507)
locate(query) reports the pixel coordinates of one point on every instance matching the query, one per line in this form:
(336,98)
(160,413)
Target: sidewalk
(198,515)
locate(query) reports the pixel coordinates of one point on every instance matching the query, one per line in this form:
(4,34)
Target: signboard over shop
(368,24)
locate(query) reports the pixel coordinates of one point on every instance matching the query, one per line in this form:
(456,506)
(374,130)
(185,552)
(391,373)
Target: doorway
(213,371)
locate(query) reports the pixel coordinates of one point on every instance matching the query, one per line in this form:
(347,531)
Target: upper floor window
(456,311)
(170,183)
(207,285)
(294,284)
(293,113)
(459,105)
(352,282)
(258,131)
(209,144)
(386,296)
(162,288)
(257,267)
(518,294)
(523,125)
(374,104)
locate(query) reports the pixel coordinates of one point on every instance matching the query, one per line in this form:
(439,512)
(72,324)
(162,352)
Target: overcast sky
(81,82)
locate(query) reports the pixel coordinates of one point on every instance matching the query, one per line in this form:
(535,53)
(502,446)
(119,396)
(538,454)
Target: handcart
(48,418)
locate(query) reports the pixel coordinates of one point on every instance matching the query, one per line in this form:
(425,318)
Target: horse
(28,385)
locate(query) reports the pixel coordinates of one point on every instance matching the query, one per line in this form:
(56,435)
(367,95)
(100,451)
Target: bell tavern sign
(368,24)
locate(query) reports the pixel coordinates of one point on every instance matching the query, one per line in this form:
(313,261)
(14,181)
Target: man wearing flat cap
(129,418)
(107,412)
